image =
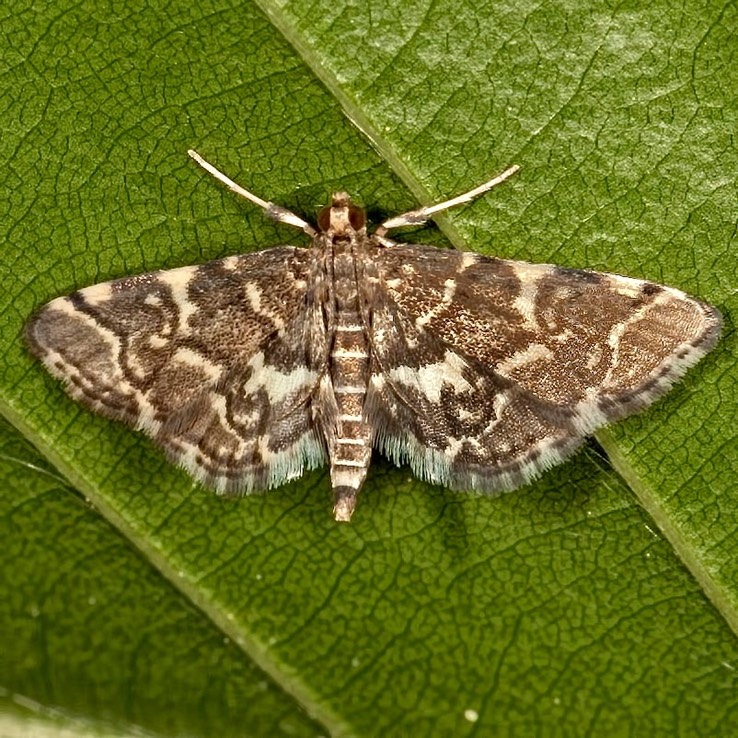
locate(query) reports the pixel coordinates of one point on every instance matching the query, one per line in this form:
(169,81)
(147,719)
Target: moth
(477,372)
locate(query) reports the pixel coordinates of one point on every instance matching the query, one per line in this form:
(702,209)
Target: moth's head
(341,217)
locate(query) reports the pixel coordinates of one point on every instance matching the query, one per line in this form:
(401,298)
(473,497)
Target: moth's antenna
(416,217)
(275,212)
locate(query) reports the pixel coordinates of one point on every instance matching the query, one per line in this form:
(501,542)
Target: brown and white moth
(477,372)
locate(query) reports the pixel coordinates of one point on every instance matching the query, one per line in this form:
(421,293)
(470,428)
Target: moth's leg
(275,212)
(416,217)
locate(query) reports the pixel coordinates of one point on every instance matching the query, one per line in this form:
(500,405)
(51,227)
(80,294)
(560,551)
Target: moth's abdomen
(350,449)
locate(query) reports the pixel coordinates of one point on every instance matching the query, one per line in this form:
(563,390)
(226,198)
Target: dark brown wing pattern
(210,360)
(488,371)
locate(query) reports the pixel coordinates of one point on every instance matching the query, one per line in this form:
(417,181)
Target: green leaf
(90,626)
(576,605)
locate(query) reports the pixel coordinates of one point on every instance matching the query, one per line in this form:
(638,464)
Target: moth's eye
(357,217)
(324,219)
